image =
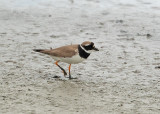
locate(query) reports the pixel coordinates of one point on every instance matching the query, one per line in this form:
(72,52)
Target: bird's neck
(82,52)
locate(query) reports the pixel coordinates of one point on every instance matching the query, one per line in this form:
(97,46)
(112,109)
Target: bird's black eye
(89,47)
(92,44)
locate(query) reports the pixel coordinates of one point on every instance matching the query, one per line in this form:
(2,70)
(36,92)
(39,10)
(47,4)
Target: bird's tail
(45,51)
(38,50)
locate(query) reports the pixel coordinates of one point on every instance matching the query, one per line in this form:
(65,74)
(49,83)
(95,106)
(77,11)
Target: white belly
(70,60)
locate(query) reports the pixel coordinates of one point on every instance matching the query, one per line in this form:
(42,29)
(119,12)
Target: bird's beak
(96,49)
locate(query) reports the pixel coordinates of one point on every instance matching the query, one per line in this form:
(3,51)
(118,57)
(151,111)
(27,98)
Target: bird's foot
(64,72)
(72,77)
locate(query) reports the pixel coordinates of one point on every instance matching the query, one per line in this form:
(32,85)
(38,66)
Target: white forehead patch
(86,44)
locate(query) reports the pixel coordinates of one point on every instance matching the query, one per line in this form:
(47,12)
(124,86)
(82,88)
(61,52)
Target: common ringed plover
(71,54)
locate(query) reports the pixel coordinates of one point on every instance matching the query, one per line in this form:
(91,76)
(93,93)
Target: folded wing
(65,51)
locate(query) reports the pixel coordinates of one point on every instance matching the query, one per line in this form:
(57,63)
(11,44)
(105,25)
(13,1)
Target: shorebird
(71,54)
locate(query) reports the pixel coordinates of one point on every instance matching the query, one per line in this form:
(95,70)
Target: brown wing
(65,51)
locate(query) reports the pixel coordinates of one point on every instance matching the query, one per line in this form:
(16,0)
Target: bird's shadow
(64,78)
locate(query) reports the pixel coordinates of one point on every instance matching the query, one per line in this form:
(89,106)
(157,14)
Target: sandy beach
(122,78)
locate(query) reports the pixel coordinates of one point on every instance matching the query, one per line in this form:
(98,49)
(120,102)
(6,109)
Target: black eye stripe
(92,43)
(90,47)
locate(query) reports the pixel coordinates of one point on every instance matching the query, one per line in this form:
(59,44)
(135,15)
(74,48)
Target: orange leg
(70,71)
(61,68)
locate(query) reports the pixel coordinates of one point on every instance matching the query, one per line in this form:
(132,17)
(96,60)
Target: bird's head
(89,46)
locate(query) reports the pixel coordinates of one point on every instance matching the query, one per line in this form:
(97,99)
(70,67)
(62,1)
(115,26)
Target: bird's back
(64,51)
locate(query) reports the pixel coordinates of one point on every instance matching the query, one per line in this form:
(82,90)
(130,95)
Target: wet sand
(123,77)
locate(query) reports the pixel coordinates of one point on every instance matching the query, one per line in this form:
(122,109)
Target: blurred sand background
(121,78)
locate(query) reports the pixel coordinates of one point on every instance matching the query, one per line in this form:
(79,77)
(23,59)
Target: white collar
(84,49)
